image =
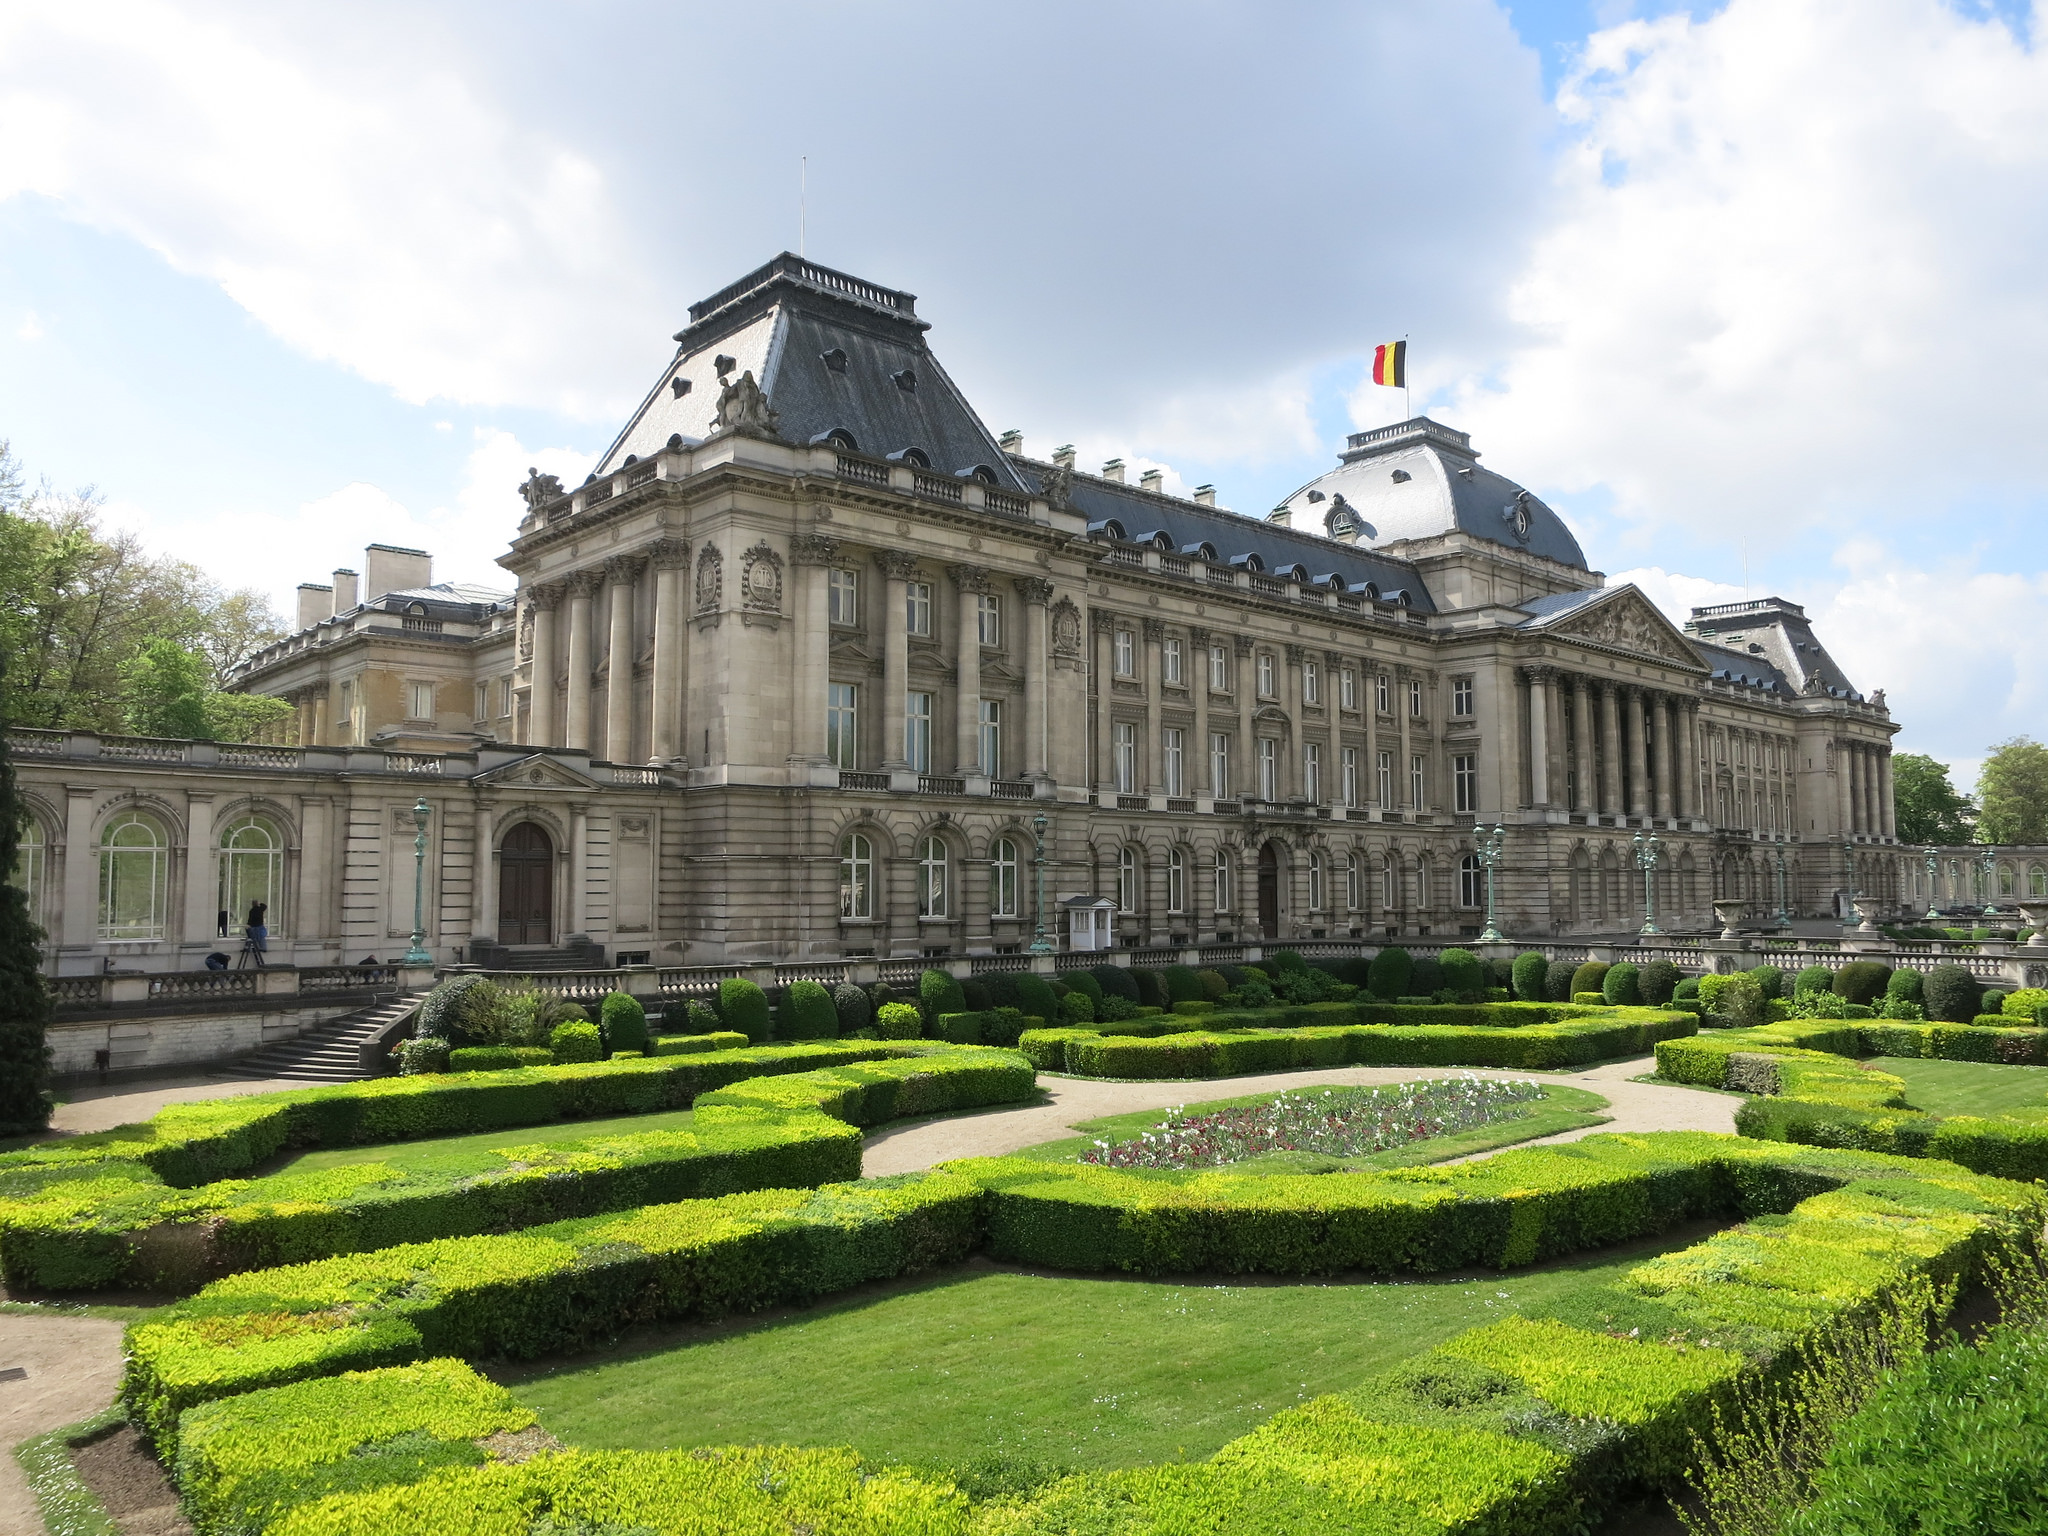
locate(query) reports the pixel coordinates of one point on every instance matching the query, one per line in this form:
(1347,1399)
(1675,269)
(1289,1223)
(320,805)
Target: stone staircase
(523,958)
(330,1052)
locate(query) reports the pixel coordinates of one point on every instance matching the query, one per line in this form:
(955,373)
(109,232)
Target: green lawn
(1560,1109)
(1967,1087)
(1069,1371)
(421,1155)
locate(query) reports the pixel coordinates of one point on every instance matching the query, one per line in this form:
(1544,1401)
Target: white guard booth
(1091,923)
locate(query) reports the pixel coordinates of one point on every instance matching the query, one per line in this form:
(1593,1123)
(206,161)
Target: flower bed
(1339,1122)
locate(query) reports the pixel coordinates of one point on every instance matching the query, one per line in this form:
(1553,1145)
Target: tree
(1930,809)
(24,1000)
(163,689)
(2012,792)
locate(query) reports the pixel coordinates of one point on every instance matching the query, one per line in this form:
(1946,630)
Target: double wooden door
(1269,892)
(526,886)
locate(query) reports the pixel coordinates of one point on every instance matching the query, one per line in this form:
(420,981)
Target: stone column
(1404,777)
(541,730)
(202,874)
(1845,809)
(579,869)
(1104,626)
(1638,754)
(1588,792)
(1244,767)
(1539,735)
(969,583)
(1610,748)
(1888,814)
(665,724)
(580,586)
(319,719)
(1198,750)
(81,870)
(1686,746)
(1295,774)
(483,921)
(1152,765)
(310,917)
(1034,593)
(1660,722)
(1370,707)
(1873,810)
(812,555)
(622,572)
(896,568)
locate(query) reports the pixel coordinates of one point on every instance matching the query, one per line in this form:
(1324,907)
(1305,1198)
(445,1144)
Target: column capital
(896,564)
(813,549)
(969,578)
(1539,674)
(1101,620)
(669,554)
(1198,637)
(1242,645)
(545,597)
(1035,590)
(1296,654)
(1155,630)
(623,570)
(583,583)
(1334,659)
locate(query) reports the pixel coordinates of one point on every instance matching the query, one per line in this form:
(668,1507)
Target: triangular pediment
(537,772)
(1622,619)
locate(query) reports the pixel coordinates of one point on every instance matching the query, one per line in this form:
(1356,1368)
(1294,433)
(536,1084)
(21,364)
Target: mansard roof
(834,355)
(1769,634)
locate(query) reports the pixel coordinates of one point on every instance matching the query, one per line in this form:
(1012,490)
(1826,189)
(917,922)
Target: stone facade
(796,671)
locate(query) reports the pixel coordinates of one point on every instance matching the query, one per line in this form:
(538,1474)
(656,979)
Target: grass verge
(455,1153)
(1966,1087)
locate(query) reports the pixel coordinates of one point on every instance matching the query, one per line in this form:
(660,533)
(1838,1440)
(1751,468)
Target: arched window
(1224,882)
(2006,881)
(27,874)
(932,893)
(1354,883)
(134,876)
(1390,889)
(252,871)
(1176,880)
(2037,881)
(1002,879)
(1471,881)
(856,876)
(1315,882)
(1127,879)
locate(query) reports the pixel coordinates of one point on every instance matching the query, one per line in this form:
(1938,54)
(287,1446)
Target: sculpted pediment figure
(1628,622)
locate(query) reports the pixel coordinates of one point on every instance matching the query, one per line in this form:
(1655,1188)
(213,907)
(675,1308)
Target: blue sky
(1749,291)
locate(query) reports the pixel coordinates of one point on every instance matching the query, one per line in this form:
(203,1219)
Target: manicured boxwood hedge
(121,1226)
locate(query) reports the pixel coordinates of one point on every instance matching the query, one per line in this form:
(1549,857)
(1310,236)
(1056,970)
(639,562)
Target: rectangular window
(1173,753)
(842,720)
(1265,674)
(1311,683)
(1351,778)
(1347,689)
(917,731)
(1126,759)
(1219,669)
(844,601)
(504,698)
(917,608)
(1354,883)
(1465,782)
(992,738)
(421,702)
(1269,768)
(1461,696)
(483,700)
(1385,771)
(1219,765)
(1415,701)
(1315,882)
(988,619)
(1379,683)
(1176,881)
(1169,663)
(1222,882)
(1126,651)
(345,717)
(1312,772)
(1416,767)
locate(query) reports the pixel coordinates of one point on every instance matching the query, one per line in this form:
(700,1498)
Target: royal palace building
(816,665)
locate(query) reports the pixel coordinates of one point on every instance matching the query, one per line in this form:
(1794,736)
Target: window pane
(992,737)
(841,724)
(917,732)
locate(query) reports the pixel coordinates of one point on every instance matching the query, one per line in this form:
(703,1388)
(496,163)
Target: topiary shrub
(1557,981)
(461,1009)
(1110,981)
(576,1042)
(898,1021)
(1687,990)
(1742,1001)
(1815,978)
(1771,980)
(1530,974)
(1861,980)
(1182,983)
(1906,986)
(1950,994)
(1462,973)
(1427,977)
(810,1013)
(1288,960)
(1620,985)
(1003,1026)
(1709,991)
(744,1007)
(1588,977)
(1076,1008)
(486,1058)
(1992,1001)
(2023,1003)
(1656,982)
(1114,1010)
(851,1008)
(1035,996)
(622,1023)
(1390,971)
(976,993)
(422,1054)
(1901,1008)
(1214,985)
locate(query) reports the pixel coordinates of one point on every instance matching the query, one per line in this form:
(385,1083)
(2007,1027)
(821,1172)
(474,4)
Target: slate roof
(1769,634)
(442,595)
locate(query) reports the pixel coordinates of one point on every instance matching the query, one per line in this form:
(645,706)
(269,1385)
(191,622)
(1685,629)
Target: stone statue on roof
(743,408)
(1055,485)
(539,489)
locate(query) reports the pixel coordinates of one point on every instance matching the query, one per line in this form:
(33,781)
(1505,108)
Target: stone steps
(330,1052)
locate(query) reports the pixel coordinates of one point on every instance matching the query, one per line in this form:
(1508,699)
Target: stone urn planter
(2034,915)
(1867,910)
(1728,914)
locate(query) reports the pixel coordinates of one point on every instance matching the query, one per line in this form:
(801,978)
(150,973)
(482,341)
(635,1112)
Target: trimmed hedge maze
(1809,1089)
(324,1399)
(81,1222)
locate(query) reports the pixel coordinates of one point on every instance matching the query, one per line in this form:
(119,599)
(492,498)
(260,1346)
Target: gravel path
(101,1109)
(73,1365)
(1633,1107)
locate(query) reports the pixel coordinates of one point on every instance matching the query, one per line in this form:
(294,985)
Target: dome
(1419,480)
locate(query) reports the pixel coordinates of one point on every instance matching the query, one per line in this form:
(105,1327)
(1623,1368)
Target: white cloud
(1675,594)
(1794,271)
(30,329)
(368,207)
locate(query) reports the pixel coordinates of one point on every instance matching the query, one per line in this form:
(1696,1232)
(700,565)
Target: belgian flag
(1390,364)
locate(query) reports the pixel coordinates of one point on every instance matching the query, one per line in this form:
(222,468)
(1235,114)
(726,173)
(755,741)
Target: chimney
(315,603)
(1064,457)
(1283,515)
(1011,441)
(344,591)
(1114,470)
(1153,480)
(387,568)
(1205,495)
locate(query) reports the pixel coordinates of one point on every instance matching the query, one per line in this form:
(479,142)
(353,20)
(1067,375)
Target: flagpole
(1407,400)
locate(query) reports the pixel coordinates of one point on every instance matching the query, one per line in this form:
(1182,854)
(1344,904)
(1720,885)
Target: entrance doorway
(1269,892)
(526,886)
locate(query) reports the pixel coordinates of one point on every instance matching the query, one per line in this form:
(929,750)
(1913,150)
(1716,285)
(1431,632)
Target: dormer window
(678,387)
(835,359)
(914,456)
(906,380)
(723,365)
(982,473)
(1402,477)
(1200,551)
(1247,562)
(1315,496)
(838,438)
